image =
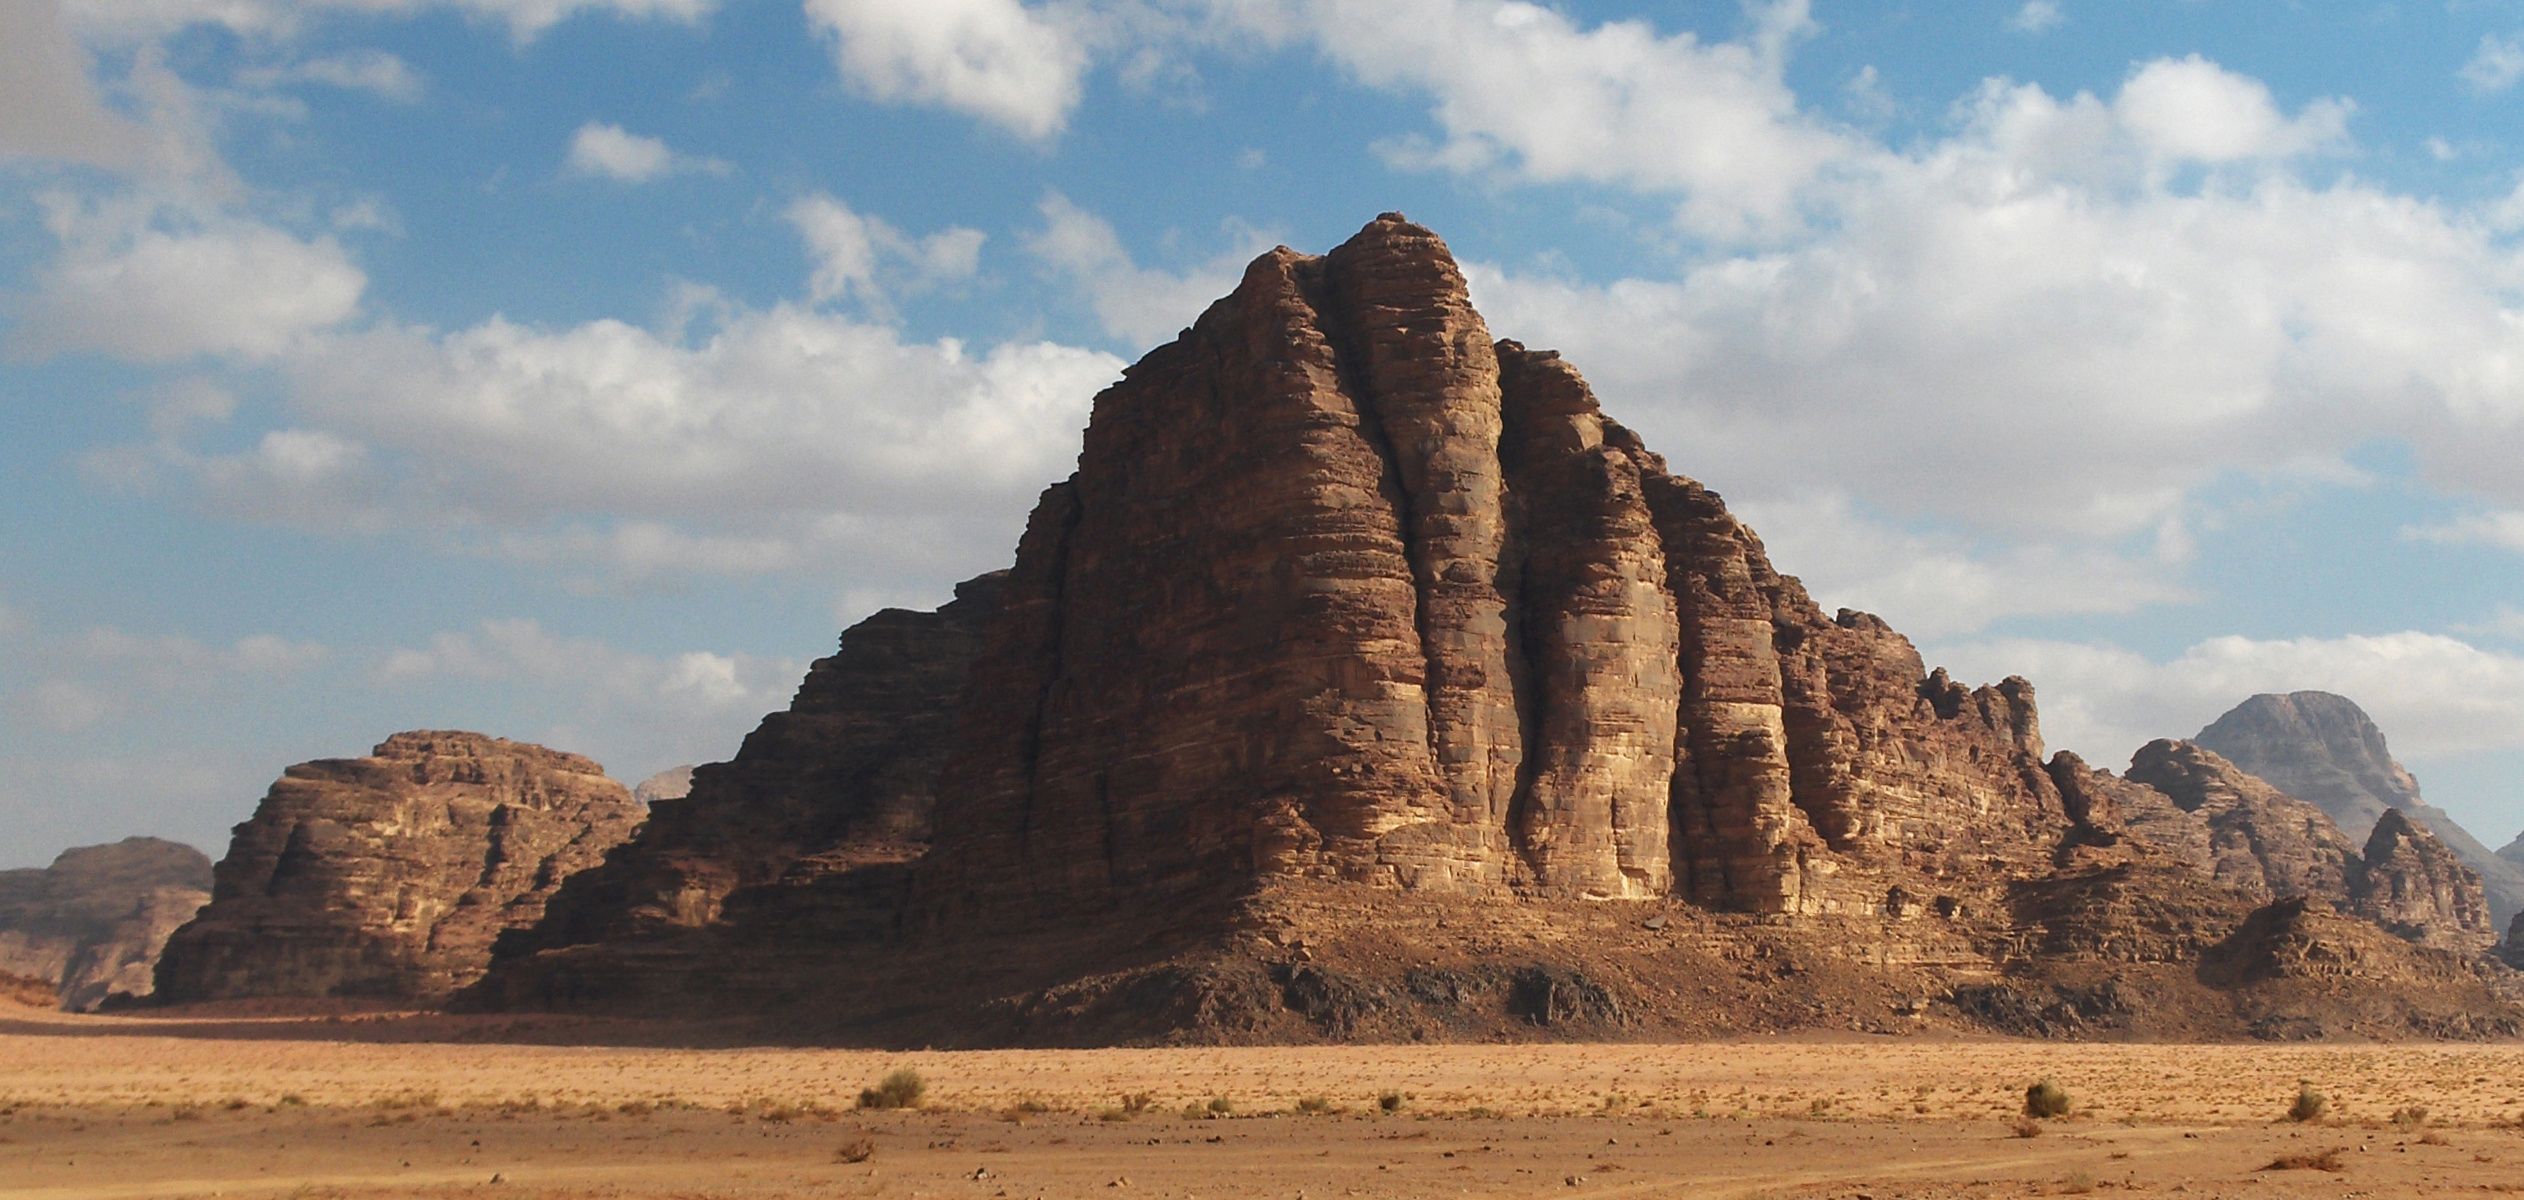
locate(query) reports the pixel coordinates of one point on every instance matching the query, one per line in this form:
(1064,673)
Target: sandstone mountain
(388,877)
(673,783)
(1366,680)
(2323,748)
(91,924)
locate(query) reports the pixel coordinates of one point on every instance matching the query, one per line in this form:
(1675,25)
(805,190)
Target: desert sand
(408,1105)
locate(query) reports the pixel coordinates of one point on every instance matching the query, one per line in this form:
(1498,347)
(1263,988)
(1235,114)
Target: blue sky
(575,370)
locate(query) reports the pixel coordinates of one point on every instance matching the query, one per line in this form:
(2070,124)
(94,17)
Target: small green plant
(2409,1117)
(2045,1100)
(902,1088)
(1314,1106)
(1393,1102)
(2309,1104)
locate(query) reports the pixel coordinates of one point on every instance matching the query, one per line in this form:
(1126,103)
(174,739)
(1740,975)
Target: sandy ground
(132,1107)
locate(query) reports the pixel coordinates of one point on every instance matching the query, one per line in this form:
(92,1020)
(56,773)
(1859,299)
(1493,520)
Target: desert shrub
(2045,1100)
(234,1103)
(1393,1102)
(1221,1105)
(2078,1183)
(1194,1112)
(2409,1117)
(292,1100)
(1314,1106)
(2026,1127)
(900,1089)
(1026,1106)
(636,1108)
(1137,1102)
(2328,1160)
(2309,1104)
(1112,1114)
(858,1151)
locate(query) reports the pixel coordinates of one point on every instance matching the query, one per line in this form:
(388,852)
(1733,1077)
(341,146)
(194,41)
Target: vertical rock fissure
(1030,744)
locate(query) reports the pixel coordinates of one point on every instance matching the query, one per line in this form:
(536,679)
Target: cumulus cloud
(374,71)
(143,20)
(998,60)
(159,283)
(2028,332)
(2037,16)
(2503,529)
(48,107)
(105,673)
(609,151)
(2495,66)
(864,256)
(633,711)
(2433,695)
(1143,307)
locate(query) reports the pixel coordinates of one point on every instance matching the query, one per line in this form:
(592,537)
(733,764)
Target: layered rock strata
(388,877)
(843,781)
(2416,887)
(1345,588)
(2262,841)
(91,925)
(2322,748)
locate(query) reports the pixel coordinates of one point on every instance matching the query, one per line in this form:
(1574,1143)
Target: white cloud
(2503,529)
(48,107)
(1140,306)
(161,283)
(628,709)
(105,673)
(852,251)
(2193,110)
(2433,695)
(2495,66)
(374,71)
(143,20)
(611,152)
(2037,16)
(994,59)
(1613,104)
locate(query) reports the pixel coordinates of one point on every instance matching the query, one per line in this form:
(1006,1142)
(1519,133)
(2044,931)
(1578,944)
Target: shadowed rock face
(389,876)
(93,922)
(2262,841)
(2414,885)
(2323,749)
(1345,588)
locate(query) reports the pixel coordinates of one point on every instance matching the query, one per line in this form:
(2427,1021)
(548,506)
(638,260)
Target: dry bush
(2328,1160)
(1314,1106)
(900,1089)
(1393,1102)
(2409,1117)
(2026,1127)
(857,1151)
(1221,1105)
(2045,1100)
(2309,1103)
(1137,1102)
(2078,1183)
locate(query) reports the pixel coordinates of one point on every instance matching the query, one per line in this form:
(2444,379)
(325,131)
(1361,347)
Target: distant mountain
(2323,748)
(93,922)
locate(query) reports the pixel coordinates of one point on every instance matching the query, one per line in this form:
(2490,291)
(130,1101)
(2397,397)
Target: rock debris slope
(388,877)
(2323,748)
(1366,680)
(91,924)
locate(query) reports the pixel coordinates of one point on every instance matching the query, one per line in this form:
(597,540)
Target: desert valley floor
(384,1105)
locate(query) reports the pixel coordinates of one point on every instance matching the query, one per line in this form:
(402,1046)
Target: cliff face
(2323,748)
(1346,589)
(387,877)
(93,922)
(2416,887)
(2262,841)
(822,802)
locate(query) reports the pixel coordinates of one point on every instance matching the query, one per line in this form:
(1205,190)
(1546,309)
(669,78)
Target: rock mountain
(2323,748)
(388,877)
(1367,680)
(90,925)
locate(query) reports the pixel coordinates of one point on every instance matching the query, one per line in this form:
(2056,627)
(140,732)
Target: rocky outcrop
(1344,588)
(2262,841)
(91,924)
(673,783)
(822,801)
(2324,749)
(2415,886)
(388,877)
